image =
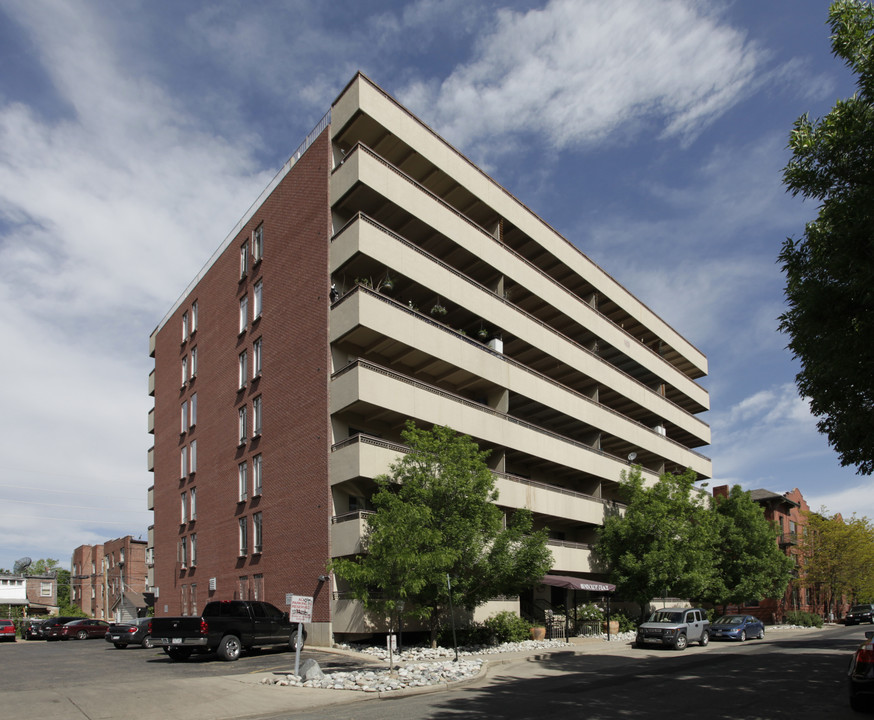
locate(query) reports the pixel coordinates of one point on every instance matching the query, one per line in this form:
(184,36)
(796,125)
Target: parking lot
(37,664)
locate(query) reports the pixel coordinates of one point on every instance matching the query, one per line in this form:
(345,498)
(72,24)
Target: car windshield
(730,620)
(666,616)
(860,608)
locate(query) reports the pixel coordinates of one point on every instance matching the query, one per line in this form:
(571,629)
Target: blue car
(737,627)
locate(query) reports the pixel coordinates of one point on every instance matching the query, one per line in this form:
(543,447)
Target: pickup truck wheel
(178,653)
(292,640)
(229,648)
(680,642)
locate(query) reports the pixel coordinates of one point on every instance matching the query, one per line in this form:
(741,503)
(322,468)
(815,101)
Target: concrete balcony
(152,383)
(365,317)
(570,557)
(347,533)
(150,498)
(150,459)
(150,422)
(364,387)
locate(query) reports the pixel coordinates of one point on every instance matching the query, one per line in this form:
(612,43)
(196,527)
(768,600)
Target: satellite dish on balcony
(632,456)
(21,565)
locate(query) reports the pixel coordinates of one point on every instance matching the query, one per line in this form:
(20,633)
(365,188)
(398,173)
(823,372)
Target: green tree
(839,557)
(664,541)
(749,563)
(830,271)
(435,516)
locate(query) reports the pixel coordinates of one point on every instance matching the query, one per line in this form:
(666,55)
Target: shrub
(626,624)
(589,611)
(804,619)
(507,626)
(473,634)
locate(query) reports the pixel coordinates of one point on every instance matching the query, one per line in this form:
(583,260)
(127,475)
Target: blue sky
(134,135)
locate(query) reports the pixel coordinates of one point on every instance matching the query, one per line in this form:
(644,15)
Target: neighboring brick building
(788,514)
(108,581)
(381,276)
(42,594)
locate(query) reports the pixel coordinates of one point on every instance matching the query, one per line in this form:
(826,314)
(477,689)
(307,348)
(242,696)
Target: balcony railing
(399,448)
(472,404)
(483,289)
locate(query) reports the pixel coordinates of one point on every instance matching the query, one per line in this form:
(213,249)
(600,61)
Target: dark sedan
(84,629)
(33,629)
(51,629)
(138,632)
(860,614)
(737,627)
(861,674)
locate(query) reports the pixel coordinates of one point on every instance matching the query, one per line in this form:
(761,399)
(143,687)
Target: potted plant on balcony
(483,333)
(387,285)
(438,310)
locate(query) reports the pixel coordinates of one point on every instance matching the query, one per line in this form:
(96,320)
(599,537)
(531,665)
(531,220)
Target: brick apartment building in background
(382,276)
(109,581)
(788,514)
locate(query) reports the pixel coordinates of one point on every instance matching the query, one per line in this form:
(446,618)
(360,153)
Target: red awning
(575,583)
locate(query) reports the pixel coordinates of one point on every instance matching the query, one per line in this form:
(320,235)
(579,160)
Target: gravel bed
(419,666)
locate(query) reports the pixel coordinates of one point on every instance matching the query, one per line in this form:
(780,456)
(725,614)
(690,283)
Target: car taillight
(865,654)
(132,630)
(150,627)
(204,628)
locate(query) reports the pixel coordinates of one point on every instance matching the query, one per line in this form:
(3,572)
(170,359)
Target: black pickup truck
(227,627)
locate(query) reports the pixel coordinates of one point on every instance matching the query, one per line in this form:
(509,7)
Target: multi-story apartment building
(382,276)
(110,580)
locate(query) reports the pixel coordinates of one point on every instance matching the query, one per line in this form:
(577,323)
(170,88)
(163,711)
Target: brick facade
(294,444)
(102,574)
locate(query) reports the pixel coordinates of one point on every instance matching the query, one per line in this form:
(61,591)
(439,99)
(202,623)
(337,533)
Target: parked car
(33,629)
(138,632)
(737,627)
(7,631)
(84,629)
(675,627)
(860,614)
(51,629)
(860,675)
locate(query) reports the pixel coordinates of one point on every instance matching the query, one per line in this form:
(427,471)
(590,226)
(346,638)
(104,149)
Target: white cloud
(581,73)
(858,499)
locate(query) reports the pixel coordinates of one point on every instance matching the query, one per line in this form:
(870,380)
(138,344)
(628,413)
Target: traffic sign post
(300,610)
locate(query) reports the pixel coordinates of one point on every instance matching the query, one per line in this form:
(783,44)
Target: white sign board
(300,609)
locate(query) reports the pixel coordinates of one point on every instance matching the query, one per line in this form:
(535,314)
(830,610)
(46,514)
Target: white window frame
(183,508)
(183,554)
(243,528)
(194,317)
(192,410)
(243,481)
(256,358)
(192,457)
(183,462)
(257,466)
(258,243)
(183,418)
(193,551)
(244,259)
(45,589)
(257,416)
(242,418)
(243,369)
(257,533)
(184,370)
(192,504)
(193,370)
(257,305)
(185,332)
(244,313)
